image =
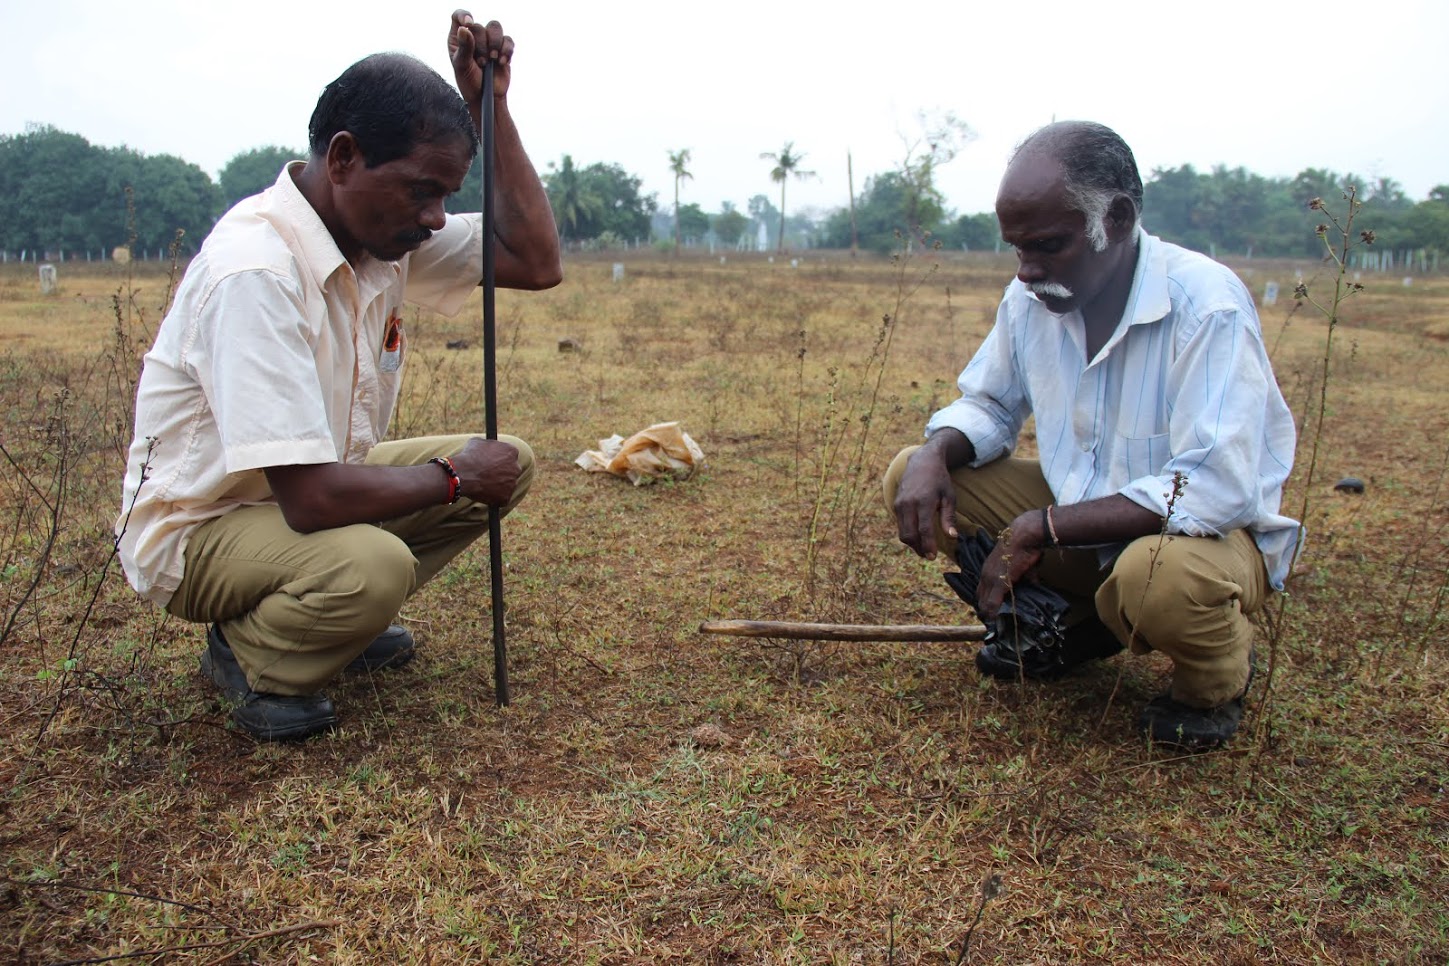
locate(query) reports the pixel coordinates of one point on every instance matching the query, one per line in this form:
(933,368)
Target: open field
(656,795)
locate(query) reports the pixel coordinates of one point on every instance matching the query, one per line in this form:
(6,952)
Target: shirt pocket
(394,345)
(1143,456)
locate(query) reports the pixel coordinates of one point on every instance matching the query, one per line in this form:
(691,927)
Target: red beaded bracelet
(455,485)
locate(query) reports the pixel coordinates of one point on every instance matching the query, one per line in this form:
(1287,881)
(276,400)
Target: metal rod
(490,392)
(846,632)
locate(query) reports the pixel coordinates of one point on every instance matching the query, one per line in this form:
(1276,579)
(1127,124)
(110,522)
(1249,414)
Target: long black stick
(490,393)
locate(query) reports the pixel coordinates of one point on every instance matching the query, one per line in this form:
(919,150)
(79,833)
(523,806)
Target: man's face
(391,209)
(1055,258)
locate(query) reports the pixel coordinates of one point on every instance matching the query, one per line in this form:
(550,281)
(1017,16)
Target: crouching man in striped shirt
(1164,441)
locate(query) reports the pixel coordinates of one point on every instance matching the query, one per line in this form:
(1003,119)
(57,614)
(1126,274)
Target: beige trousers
(297,607)
(1188,597)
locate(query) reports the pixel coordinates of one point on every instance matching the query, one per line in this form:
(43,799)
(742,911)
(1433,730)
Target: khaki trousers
(297,607)
(1188,597)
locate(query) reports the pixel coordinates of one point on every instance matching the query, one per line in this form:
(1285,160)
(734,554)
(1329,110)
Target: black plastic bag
(1030,620)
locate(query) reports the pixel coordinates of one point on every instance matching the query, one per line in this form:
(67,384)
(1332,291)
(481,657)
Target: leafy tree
(1170,206)
(1426,225)
(941,140)
(172,194)
(1386,195)
(597,201)
(882,216)
(573,205)
(729,225)
(625,212)
(58,191)
(787,164)
(1235,210)
(252,172)
(978,232)
(691,221)
(678,164)
(40,204)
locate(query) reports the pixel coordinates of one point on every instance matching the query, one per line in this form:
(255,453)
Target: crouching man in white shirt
(1164,441)
(260,497)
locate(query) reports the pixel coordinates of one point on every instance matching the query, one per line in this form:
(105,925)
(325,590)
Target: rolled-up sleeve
(993,404)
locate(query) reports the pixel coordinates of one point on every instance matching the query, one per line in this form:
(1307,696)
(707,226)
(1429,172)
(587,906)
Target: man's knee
(376,573)
(891,482)
(1153,583)
(1176,595)
(526,470)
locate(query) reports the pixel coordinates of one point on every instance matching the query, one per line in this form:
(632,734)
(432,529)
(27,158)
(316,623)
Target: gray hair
(1097,166)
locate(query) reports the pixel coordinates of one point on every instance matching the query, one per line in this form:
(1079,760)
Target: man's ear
(343,157)
(1120,217)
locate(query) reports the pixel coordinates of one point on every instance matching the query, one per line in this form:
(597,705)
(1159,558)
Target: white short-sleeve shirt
(275,352)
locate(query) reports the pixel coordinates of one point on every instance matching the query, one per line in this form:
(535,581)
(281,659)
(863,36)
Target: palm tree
(787,162)
(677,161)
(573,203)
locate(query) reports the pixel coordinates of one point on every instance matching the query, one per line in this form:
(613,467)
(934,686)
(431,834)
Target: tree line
(59,193)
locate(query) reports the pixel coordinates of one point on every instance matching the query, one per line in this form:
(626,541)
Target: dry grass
(653,795)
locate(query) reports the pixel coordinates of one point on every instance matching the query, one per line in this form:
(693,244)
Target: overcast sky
(1272,86)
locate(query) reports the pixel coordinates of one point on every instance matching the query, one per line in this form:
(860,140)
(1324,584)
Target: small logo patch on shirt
(392,344)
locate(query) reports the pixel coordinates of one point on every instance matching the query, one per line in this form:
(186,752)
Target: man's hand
(1011,560)
(926,498)
(488,471)
(470,46)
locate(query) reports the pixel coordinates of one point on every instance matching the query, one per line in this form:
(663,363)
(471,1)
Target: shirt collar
(1148,300)
(310,236)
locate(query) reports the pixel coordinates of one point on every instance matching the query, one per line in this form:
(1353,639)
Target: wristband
(455,485)
(1050,528)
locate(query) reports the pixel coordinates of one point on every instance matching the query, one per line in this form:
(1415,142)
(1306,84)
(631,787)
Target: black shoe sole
(392,662)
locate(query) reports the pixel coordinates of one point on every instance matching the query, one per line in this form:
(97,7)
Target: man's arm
(321,496)
(1110,519)
(527,255)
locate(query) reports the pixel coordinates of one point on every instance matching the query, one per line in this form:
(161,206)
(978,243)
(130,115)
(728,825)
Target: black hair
(1095,160)
(390,103)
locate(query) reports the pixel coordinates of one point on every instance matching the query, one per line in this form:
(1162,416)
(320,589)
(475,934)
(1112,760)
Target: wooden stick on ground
(846,632)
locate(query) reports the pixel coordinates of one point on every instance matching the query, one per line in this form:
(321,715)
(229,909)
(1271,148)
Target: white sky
(1272,85)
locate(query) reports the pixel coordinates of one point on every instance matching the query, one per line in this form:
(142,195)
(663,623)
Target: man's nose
(434,216)
(1029,270)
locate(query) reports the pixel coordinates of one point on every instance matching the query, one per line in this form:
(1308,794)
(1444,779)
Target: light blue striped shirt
(1183,385)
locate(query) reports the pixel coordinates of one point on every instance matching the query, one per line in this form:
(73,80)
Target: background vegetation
(656,795)
(59,193)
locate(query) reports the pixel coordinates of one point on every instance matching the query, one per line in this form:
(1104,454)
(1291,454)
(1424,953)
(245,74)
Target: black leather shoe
(392,648)
(1174,724)
(1177,725)
(267,717)
(1086,642)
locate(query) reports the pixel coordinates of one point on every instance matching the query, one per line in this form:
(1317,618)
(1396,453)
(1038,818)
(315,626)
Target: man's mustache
(1054,290)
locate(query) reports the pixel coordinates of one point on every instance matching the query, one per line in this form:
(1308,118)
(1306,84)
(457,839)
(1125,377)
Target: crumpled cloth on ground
(1031,616)
(662,450)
